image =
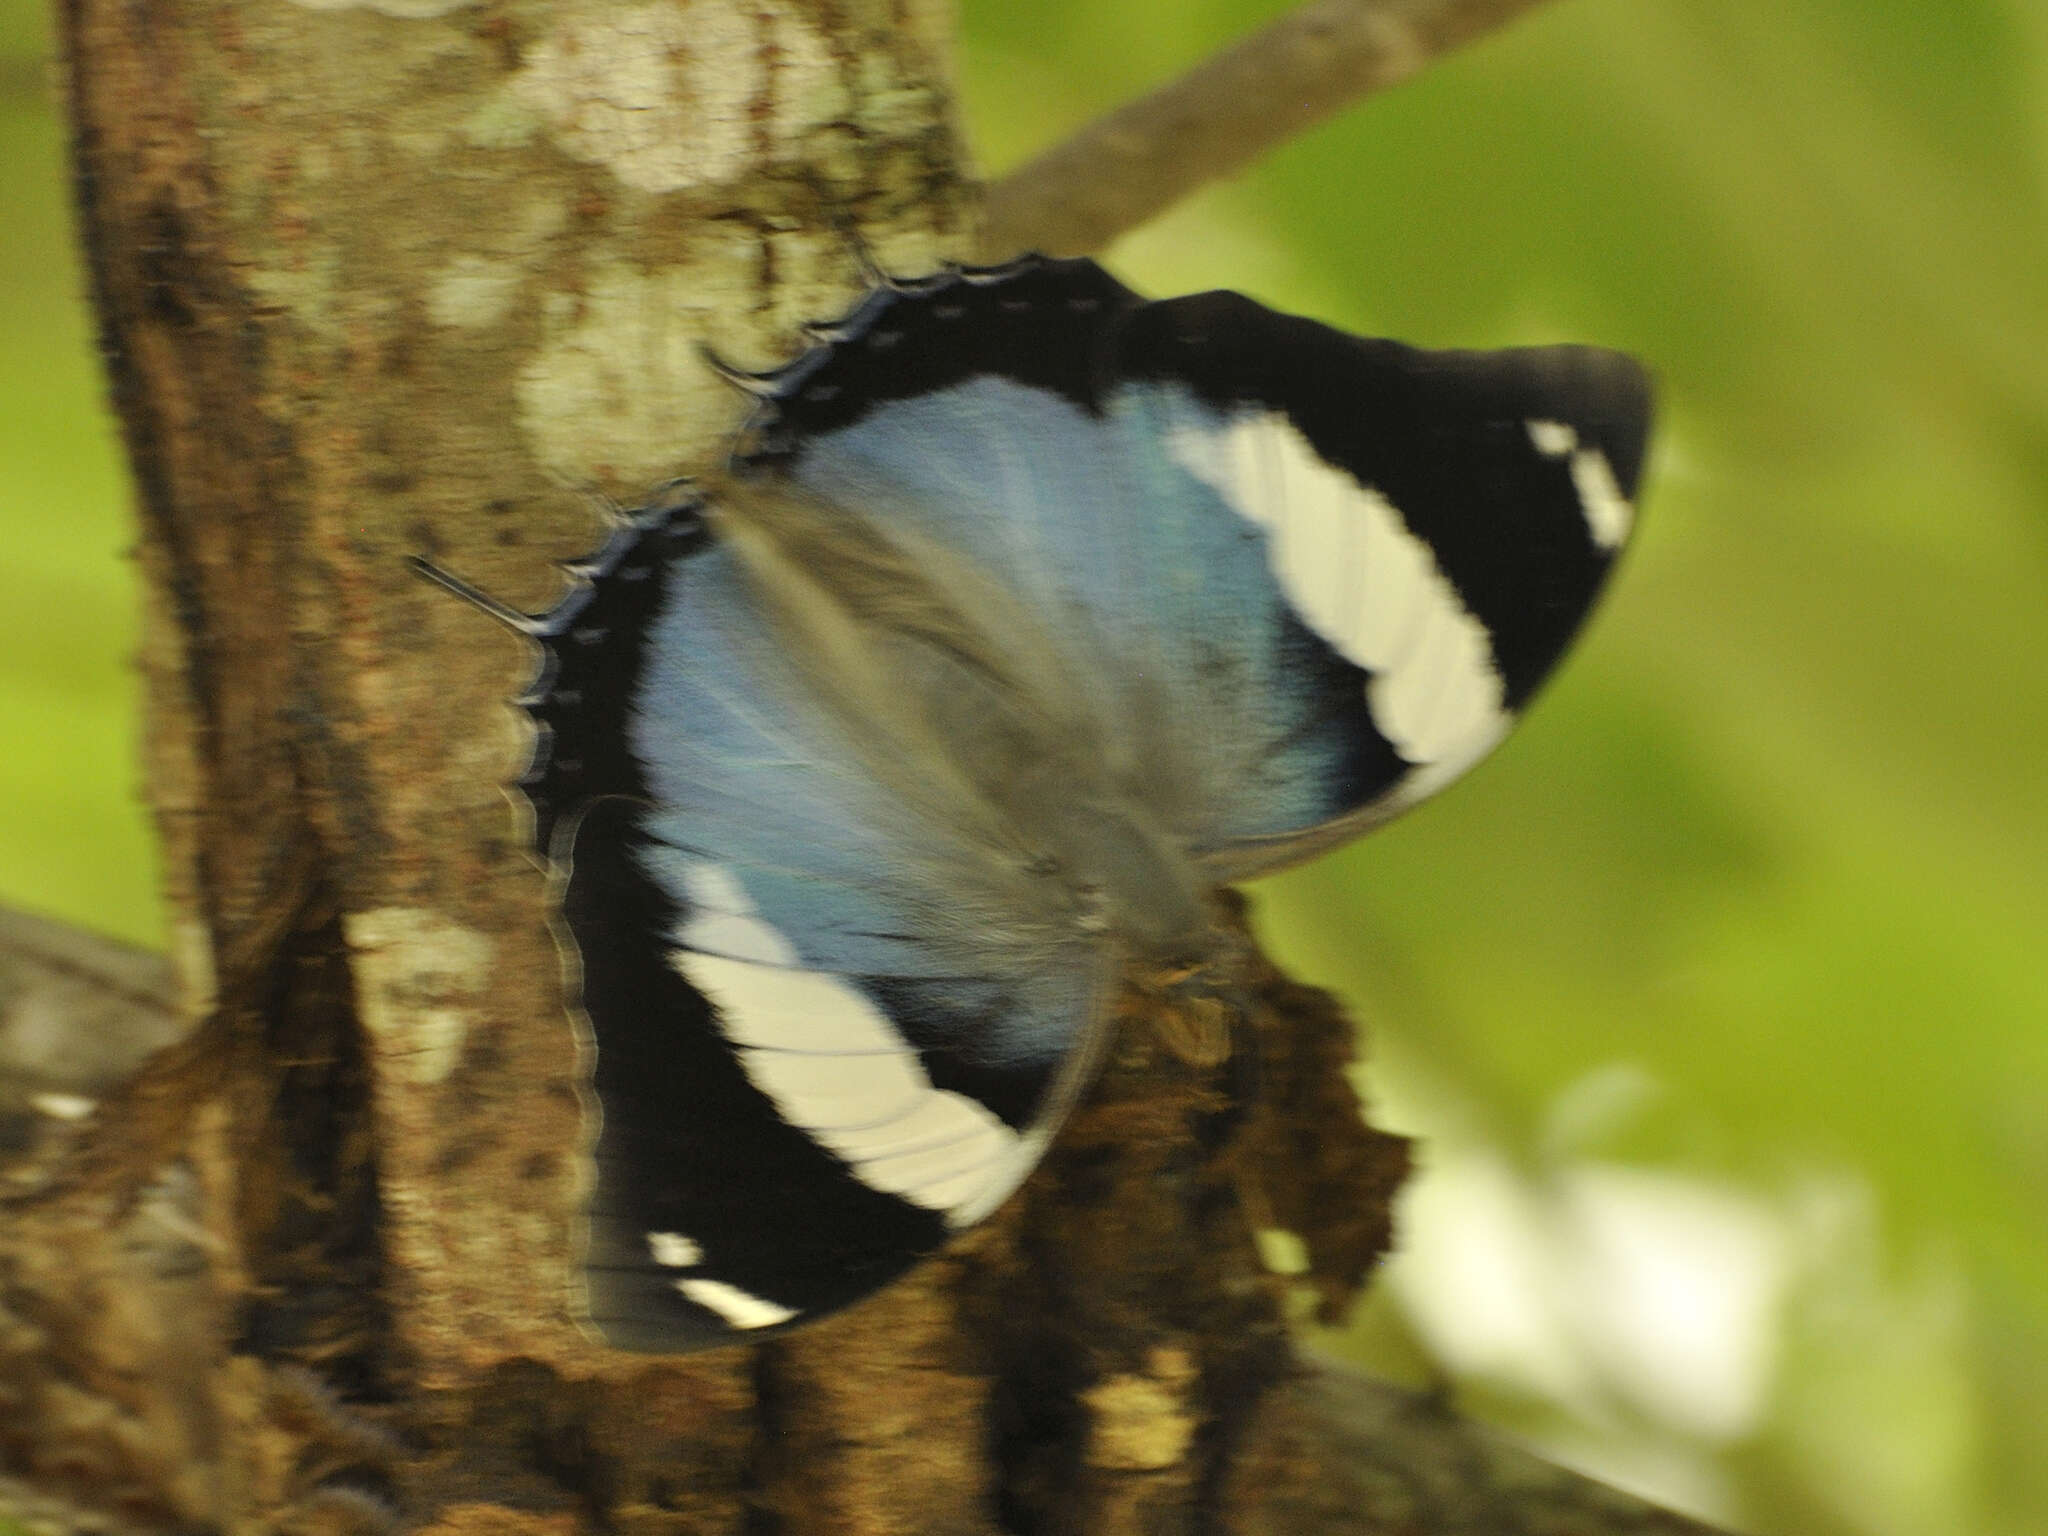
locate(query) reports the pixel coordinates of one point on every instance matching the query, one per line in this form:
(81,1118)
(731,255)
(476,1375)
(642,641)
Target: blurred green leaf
(76,841)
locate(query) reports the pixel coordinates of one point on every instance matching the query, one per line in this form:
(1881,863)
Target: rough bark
(409,276)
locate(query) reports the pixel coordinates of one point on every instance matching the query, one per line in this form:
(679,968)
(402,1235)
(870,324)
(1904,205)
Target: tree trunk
(416,277)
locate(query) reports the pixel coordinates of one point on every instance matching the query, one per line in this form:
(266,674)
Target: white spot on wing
(837,1070)
(1607,512)
(1362,581)
(779,1010)
(672,1250)
(723,921)
(743,1309)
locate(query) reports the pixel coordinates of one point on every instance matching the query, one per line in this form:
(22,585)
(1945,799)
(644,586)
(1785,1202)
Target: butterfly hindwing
(708,1213)
(803,1078)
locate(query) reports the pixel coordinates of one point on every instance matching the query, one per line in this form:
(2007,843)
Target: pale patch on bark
(1144,1422)
(1281,1251)
(192,965)
(502,122)
(478,288)
(305,286)
(618,380)
(666,95)
(410,963)
(472,291)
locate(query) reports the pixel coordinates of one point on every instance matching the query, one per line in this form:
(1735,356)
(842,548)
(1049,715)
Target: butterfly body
(1027,614)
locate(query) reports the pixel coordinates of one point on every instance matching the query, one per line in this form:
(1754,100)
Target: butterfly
(1026,614)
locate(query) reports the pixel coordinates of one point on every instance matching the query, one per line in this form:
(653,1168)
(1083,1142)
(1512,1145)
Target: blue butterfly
(1026,614)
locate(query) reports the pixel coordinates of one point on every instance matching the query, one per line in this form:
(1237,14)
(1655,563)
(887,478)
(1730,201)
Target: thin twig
(1388,1459)
(1126,167)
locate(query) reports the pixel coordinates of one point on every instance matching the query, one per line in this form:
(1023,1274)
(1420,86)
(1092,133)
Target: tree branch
(78,1013)
(1389,1460)
(1130,165)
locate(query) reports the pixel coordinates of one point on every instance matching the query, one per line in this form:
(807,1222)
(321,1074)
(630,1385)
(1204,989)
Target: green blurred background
(1719,993)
